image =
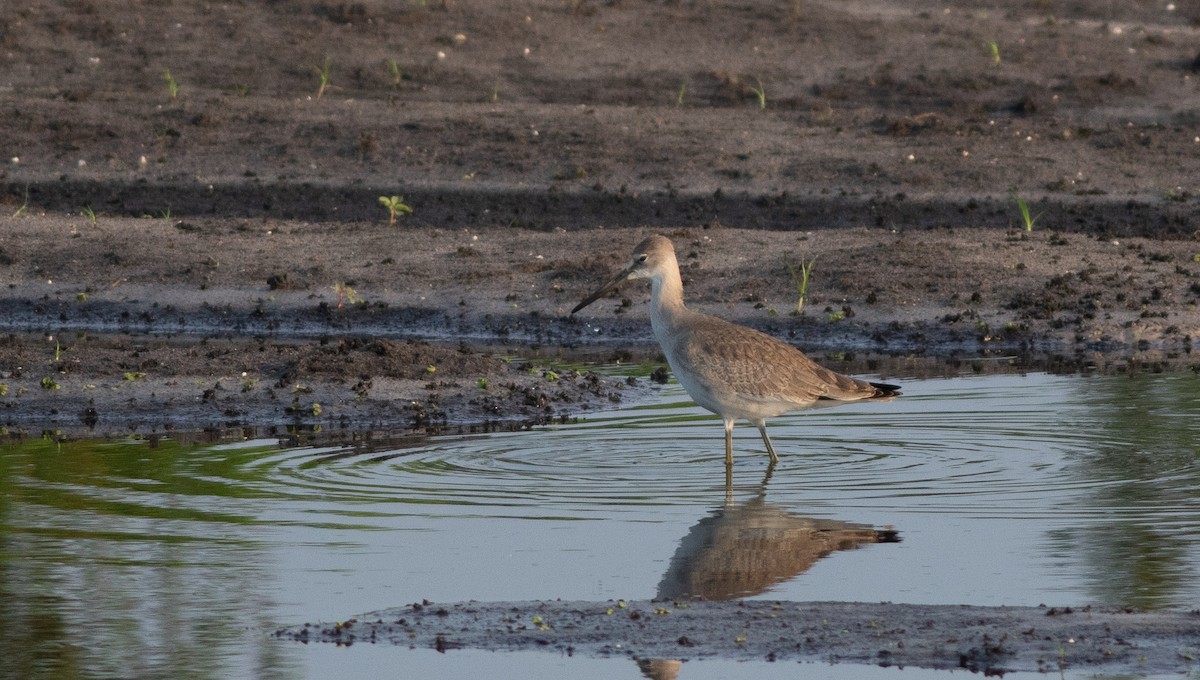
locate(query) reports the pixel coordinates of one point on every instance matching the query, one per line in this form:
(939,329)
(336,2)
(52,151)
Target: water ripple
(1015,446)
(1038,486)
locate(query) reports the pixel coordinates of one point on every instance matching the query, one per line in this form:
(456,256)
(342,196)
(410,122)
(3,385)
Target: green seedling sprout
(172,84)
(24,204)
(323,75)
(995,48)
(346,294)
(761,93)
(394,69)
(89,213)
(1023,208)
(800,277)
(682,93)
(395,206)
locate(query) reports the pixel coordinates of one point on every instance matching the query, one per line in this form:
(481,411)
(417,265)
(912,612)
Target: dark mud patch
(96,385)
(991,640)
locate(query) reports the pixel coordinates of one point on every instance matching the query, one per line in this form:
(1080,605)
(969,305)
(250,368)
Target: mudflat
(660,635)
(192,214)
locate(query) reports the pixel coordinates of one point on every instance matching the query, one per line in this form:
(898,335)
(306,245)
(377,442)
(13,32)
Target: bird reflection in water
(743,549)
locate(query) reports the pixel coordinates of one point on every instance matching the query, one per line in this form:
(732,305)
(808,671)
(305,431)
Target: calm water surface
(170,558)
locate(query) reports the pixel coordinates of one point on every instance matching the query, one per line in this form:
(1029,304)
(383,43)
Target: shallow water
(141,558)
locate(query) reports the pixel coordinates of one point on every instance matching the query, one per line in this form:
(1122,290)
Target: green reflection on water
(1146,466)
(120,559)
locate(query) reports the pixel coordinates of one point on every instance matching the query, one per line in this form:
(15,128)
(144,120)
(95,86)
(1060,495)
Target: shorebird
(733,371)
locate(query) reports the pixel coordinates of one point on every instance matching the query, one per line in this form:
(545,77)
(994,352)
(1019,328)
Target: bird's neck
(666,300)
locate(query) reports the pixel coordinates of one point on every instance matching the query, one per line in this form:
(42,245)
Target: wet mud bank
(991,640)
(114,385)
(142,324)
(147,323)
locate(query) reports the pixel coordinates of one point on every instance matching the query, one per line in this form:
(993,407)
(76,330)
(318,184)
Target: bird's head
(651,258)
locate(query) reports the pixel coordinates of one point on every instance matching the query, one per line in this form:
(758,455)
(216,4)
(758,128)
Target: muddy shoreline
(156,191)
(658,635)
(228,323)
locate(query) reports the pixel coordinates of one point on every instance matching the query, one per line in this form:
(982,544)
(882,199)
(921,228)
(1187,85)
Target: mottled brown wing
(732,358)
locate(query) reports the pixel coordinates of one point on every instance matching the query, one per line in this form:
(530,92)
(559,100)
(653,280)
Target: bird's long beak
(612,283)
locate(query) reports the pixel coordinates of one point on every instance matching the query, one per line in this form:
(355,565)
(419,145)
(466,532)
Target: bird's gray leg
(729,443)
(729,463)
(762,429)
(729,486)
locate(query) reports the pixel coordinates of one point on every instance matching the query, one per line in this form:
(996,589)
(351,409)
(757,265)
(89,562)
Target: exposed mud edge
(75,381)
(106,385)
(992,640)
(549,207)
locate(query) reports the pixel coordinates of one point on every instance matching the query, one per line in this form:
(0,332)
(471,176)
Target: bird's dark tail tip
(884,390)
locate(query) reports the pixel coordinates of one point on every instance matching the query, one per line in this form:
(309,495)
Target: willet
(733,371)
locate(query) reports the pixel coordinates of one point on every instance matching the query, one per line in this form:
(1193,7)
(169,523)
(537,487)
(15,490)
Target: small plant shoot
(1023,208)
(800,278)
(323,76)
(394,71)
(21,209)
(346,294)
(395,206)
(172,84)
(761,93)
